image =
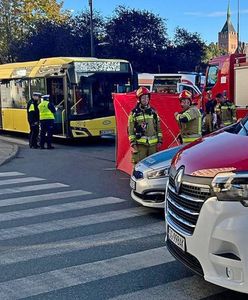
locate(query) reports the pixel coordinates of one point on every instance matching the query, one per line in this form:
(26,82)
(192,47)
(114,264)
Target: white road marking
(59,208)
(15,254)
(81,274)
(32,229)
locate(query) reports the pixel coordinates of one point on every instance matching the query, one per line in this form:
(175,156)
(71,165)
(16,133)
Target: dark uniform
(33,120)
(47,111)
(226,112)
(190,122)
(210,111)
(144,132)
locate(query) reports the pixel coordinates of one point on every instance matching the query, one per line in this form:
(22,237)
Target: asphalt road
(69,230)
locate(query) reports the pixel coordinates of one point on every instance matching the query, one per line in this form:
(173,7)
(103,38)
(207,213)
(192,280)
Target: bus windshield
(93,92)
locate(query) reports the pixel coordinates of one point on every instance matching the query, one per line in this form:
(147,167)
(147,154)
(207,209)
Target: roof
(43,66)
(228,27)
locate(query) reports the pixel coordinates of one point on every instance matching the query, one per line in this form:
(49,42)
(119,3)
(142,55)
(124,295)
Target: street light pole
(92,52)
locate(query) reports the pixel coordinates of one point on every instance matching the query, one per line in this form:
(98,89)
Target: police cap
(37,94)
(45,97)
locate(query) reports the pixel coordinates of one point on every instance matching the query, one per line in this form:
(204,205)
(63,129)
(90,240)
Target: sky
(207,17)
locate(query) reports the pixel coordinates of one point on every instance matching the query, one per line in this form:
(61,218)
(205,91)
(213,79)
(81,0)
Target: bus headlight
(231,186)
(158,173)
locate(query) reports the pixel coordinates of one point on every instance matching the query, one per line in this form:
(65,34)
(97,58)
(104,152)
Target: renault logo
(178,180)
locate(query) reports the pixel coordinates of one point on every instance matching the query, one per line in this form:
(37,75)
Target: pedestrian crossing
(57,242)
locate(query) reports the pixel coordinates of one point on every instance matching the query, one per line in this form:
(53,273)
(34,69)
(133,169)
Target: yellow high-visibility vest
(45,112)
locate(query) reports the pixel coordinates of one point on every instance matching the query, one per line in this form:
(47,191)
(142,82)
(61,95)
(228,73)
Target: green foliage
(186,51)
(18,19)
(212,50)
(30,30)
(137,35)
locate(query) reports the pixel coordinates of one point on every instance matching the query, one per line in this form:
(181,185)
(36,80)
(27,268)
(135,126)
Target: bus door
(55,89)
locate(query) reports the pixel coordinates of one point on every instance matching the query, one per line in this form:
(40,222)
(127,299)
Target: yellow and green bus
(80,88)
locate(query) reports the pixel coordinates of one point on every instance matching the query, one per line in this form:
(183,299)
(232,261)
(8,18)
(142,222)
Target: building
(228,37)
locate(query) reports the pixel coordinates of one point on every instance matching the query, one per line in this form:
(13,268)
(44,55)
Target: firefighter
(210,113)
(33,119)
(225,110)
(189,120)
(47,111)
(144,130)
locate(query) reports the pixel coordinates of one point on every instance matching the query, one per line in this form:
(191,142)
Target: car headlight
(158,173)
(231,186)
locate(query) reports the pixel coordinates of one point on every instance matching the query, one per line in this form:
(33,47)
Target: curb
(13,154)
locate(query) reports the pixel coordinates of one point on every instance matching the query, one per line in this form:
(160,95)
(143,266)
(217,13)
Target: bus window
(38,85)
(14,93)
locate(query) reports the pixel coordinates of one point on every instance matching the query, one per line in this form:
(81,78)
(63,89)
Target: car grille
(183,208)
(187,259)
(137,174)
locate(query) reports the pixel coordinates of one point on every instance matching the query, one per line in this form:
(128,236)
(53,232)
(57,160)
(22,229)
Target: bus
(80,88)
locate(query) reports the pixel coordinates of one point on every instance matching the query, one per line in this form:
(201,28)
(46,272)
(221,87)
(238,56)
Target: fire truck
(226,74)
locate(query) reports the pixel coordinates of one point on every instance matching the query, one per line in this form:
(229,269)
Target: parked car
(149,178)
(207,207)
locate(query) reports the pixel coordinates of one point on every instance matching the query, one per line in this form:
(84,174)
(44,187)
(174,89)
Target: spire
(228,12)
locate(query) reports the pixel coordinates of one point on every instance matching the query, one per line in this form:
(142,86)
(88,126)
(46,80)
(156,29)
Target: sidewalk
(7,151)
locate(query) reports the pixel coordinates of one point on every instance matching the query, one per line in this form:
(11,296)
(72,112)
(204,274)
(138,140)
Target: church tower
(228,37)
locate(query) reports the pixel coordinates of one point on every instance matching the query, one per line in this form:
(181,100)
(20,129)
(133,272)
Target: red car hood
(213,154)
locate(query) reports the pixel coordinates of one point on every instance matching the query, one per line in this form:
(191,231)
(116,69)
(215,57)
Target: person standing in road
(210,113)
(189,120)
(47,111)
(33,119)
(225,110)
(144,129)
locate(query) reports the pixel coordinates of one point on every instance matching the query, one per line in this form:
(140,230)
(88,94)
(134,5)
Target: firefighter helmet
(142,91)
(185,95)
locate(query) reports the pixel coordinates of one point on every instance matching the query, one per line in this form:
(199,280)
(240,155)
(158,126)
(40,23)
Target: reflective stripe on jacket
(45,112)
(144,127)
(227,113)
(191,130)
(32,111)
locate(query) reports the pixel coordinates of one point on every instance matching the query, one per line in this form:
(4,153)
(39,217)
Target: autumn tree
(18,19)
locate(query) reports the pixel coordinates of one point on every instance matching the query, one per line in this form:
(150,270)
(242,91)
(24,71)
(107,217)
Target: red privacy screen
(165,105)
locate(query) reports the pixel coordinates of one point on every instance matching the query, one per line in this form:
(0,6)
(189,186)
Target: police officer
(189,120)
(225,110)
(33,119)
(47,111)
(144,130)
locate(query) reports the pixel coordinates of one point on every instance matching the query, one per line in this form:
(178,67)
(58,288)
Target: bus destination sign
(97,66)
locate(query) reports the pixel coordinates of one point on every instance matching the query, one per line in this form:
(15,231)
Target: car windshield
(240,128)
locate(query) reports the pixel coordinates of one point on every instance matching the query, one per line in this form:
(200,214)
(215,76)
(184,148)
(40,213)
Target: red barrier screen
(165,105)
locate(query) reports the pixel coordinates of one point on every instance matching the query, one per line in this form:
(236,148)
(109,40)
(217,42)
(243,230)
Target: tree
(138,36)
(186,51)
(212,50)
(19,17)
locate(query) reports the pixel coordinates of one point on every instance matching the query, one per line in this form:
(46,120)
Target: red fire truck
(228,75)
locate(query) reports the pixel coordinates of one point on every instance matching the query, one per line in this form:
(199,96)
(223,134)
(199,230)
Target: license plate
(103,132)
(176,238)
(132,184)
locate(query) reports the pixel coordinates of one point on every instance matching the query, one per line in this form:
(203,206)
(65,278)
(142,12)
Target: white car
(149,178)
